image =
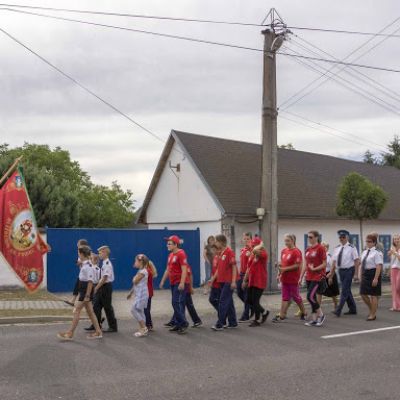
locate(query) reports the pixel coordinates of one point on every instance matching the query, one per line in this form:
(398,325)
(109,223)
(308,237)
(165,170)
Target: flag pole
(11,169)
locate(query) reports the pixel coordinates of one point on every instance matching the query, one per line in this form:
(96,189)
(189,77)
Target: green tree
(63,195)
(360,199)
(370,158)
(392,156)
(109,207)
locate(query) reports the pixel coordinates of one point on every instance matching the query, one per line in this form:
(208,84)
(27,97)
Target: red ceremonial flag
(20,242)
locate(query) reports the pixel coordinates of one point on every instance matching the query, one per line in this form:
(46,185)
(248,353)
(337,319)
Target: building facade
(214,185)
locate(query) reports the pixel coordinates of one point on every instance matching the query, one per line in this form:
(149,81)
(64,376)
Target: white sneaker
(142,332)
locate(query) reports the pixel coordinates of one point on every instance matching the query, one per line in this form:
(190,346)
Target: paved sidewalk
(161,303)
(32,305)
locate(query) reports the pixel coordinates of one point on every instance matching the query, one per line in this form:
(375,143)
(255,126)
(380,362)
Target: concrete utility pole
(273,39)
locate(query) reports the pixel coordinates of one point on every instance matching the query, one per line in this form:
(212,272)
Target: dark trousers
(147,313)
(253,297)
(242,293)
(215,294)
(103,299)
(178,304)
(226,307)
(191,309)
(346,279)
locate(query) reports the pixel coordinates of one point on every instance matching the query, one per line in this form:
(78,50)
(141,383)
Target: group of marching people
(318,268)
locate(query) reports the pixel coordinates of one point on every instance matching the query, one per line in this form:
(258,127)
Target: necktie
(364,261)
(339,260)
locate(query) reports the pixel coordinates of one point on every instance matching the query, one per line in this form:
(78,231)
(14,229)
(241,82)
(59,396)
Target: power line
(334,129)
(384,89)
(108,104)
(350,85)
(190,39)
(345,83)
(197,20)
(122,28)
(344,31)
(324,52)
(128,15)
(324,131)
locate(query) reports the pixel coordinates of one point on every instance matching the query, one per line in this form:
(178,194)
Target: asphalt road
(285,361)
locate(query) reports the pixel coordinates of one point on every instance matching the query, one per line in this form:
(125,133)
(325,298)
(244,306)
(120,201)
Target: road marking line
(338,335)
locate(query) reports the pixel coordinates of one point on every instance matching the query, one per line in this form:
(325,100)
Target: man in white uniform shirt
(347,261)
(103,291)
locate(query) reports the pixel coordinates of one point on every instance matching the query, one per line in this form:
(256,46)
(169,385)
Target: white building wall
(181,196)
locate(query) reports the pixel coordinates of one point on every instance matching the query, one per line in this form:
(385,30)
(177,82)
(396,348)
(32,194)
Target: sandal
(64,336)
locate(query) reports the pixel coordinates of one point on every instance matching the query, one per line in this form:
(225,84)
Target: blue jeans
(215,294)
(346,279)
(226,307)
(178,304)
(242,293)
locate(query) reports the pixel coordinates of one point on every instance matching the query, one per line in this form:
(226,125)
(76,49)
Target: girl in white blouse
(371,276)
(394,254)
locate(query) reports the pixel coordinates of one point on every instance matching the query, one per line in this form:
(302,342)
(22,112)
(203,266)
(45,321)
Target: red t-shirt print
(226,264)
(175,263)
(290,257)
(315,256)
(258,270)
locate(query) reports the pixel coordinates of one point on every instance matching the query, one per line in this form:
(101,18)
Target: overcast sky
(170,84)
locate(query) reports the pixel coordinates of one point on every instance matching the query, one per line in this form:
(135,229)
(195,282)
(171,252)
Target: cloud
(169,84)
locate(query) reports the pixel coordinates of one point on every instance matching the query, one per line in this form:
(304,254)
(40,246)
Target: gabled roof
(307,182)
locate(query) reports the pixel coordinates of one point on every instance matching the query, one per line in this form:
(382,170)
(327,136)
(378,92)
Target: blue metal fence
(125,244)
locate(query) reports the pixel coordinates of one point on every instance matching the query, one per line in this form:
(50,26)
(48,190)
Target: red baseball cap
(256,241)
(174,238)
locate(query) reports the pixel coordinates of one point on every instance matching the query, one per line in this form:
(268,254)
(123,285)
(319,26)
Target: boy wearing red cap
(226,275)
(177,271)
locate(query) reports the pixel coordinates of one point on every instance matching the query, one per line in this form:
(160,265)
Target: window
(386,241)
(354,239)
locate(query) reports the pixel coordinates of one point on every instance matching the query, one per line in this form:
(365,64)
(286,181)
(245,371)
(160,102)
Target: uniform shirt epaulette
(351,245)
(339,245)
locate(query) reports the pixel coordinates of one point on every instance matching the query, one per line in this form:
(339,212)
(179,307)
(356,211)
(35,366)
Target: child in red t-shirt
(177,272)
(226,275)
(315,267)
(256,281)
(290,268)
